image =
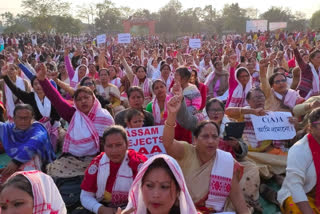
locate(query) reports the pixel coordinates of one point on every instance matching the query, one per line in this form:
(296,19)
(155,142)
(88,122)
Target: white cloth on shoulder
(135,196)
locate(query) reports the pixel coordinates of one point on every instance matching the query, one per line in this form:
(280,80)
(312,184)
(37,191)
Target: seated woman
(166,74)
(134,118)
(244,79)
(44,112)
(9,100)
(110,175)
(109,91)
(139,78)
(192,98)
(300,190)
(27,143)
(160,187)
(279,97)
(217,81)
(203,164)
(31,192)
(75,76)
(87,121)
(135,98)
(158,107)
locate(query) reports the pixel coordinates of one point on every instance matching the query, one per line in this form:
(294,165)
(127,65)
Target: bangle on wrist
(172,126)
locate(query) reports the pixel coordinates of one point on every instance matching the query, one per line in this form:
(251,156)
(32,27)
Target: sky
(308,6)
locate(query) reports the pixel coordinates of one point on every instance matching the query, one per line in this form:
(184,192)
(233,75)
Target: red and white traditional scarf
(75,79)
(46,196)
(315,151)
(10,105)
(157,112)
(145,88)
(239,94)
(135,196)
(220,181)
(290,99)
(83,133)
(122,184)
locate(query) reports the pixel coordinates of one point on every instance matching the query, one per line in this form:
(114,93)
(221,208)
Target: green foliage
(277,14)
(315,20)
(234,18)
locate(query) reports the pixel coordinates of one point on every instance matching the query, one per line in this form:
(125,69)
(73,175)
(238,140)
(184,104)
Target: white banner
(194,43)
(124,38)
(146,140)
(101,39)
(256,25)
(277,25)
(273,126)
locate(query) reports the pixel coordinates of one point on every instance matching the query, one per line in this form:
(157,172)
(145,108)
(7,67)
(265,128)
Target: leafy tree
(169,17)
(234,18)
(277,14)
(42,11)
(315,20)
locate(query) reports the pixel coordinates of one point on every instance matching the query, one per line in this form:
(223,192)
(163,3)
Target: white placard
(256,25)
(273,126)
(101,39)
(146,140)
(277,25)
(124,38)
(194,43)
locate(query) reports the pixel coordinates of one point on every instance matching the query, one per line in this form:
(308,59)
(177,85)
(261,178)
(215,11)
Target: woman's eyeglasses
(280,81)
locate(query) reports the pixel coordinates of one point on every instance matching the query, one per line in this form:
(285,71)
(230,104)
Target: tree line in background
(54,15)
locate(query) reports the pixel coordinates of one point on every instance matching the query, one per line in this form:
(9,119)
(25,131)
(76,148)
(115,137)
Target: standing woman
(158,106)
(217,81)
(244,79)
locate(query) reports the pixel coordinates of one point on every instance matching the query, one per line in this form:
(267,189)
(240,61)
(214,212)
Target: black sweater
(28,98)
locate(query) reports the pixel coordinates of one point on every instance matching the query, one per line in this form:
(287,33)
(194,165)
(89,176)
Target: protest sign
(194,43)
(146,140)
(277,25)
(273,126)
(124,38)
(256,25)
(101,39)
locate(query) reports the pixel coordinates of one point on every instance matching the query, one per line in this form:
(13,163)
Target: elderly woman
(27,143)
(300,190)
(160,188)
(200,164)
(158,107)
(110,175)
(87,120)
(31,192)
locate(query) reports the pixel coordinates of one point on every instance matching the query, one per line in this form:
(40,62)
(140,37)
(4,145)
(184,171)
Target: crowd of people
(66,102)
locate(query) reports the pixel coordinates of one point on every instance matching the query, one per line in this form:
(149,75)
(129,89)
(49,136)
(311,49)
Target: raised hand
(41,70)
(174,104)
